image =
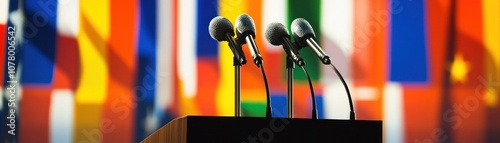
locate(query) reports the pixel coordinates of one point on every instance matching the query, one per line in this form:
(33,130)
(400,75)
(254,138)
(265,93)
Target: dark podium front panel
(200,129)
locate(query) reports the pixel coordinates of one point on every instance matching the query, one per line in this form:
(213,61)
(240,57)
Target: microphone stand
(237,101)
(289,67)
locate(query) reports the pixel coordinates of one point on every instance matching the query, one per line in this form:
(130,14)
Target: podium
(197,129)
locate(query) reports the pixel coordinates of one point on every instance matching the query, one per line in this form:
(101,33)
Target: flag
(116,71)
(491,79)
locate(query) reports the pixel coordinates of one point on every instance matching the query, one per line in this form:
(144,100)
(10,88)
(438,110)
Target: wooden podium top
(194,129)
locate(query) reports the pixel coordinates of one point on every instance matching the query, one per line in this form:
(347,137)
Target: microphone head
(302,30)
(245,26)
(218,28)
(275,33)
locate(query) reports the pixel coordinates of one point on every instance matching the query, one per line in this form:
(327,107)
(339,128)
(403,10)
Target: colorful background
(117,70)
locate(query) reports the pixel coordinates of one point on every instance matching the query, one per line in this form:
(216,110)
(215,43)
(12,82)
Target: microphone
(245,32)
(221,29)
(303,34)
(276,34)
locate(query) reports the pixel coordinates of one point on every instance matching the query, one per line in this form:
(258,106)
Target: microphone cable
(352,114)
(314,110)
(268,108)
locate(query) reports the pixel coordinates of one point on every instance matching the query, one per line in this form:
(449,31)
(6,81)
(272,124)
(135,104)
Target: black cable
(352,114)
(268,96)
(314,110)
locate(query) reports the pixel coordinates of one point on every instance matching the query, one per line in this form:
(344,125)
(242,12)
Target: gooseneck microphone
(277,34)
(221,29)
(304,36)
(245,32)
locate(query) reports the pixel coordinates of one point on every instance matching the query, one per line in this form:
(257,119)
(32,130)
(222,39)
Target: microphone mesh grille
(275,33)
(218,28)
(302,29)
(245,25)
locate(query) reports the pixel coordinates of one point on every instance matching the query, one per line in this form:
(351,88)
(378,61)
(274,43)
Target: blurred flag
(116,71)
(491,81)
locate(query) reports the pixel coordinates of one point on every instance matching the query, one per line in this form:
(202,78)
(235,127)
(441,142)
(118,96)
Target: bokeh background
(117,70)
